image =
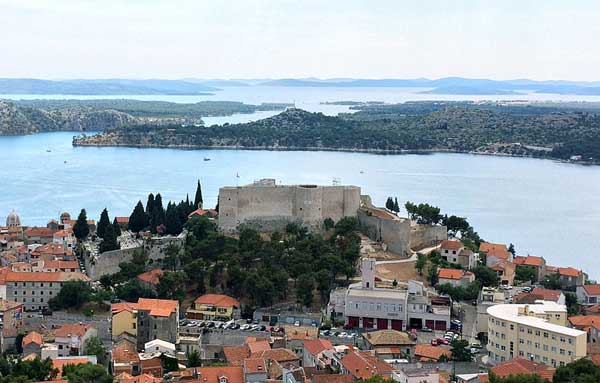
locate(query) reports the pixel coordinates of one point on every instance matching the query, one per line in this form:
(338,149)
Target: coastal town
(285,283)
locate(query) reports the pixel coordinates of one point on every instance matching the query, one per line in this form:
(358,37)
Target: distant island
(190,86)
(546,131)
(33,116)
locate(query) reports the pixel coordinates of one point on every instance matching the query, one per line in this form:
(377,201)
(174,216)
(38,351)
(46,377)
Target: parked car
(262,328)
(426,329)
(297,323)
(244,327)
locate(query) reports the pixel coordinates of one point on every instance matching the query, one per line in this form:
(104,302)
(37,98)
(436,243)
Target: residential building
(536,263)
(65,238)
(55,266)
(488,296)
(536,332)
(332,378)
(255,370)
(71,338)
(125,359)
(60,362)
(429,353)
(455,277)
(390,344)
(540,294)
(450,249)
(34,290)
(588,295)
(150,279)
(364,365)
(571,278)
(505,271)
(313,353)
(157,319)
(38,235)
(124,319)
(591,325)
(416,375)
(11,321)
(159,345)
(51,252)
(123,222)
(219,374)
(209,213)
(520,366)
(495,252)
(213,306)
(32,343)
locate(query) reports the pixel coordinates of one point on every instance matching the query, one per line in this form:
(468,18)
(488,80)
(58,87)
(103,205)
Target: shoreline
(326,149)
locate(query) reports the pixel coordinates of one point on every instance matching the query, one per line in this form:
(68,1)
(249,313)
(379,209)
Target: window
(538,333)
(512,327)
(545,334)
(562,351)
(529,331)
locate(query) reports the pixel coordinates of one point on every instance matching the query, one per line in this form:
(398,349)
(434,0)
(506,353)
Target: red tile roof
(39,232)
(202,212)
(61,265)
(258,345)
(63,233)
(333,378)
(495,249)
(255,365)
(316,346)
(451,244)
(72,329)
(125,352)
(59,364)
(455,274)
(122,219)
(123,306)
(152,276)
(276,354)
(569,271)
(523,367)
(431,353)
(218,300)
(52,248)
(235,355)
(213,374)
(158,307)
(547,294)
(45,276)
(585,321)
(363,365)
(592,289)
(32,337)
(529,260)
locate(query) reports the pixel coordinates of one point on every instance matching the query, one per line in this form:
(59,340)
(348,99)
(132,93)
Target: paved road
(412,258)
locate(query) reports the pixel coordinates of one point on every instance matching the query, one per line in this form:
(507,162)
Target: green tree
(149,206)
(519,378)
(116,227)
(324,280)
(304,290)
(198,201)
(511,249)
(328,223)
(579,371)
(389,204)
(194,359)
(94,346)
(109,242)
(455,225)
(172,220)
(572,303)
(81,229)
(526,274)
(172,285)
(486,276)
(132,290)
(396,206)
(460,350)
(158,214)
(421,262)
(137,219)
(551,281)
(103,222)
(432,275)
(86,373)
(73,294)
(35,370)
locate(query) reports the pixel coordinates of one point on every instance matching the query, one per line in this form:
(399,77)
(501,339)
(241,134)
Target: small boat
(361,172)
(206,159)
(48,150)
(65,161)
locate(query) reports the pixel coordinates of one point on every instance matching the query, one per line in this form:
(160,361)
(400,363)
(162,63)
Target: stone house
(455,277)
(588,295)
(570,278)
(157,319)
(71,338)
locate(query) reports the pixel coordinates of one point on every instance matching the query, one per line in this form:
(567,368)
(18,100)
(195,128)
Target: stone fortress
(266,206)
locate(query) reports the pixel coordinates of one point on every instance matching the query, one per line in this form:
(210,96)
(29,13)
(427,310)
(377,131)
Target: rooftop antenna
(237,179)
(336,181)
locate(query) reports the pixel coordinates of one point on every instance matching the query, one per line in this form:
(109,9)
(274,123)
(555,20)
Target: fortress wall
(426,235)
(395,233)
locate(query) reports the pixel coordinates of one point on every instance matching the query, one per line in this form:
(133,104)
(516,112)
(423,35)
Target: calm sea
(545,208)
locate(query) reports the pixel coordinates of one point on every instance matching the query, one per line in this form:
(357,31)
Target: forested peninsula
(552,130)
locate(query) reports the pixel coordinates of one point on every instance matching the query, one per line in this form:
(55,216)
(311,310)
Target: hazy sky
(302,38)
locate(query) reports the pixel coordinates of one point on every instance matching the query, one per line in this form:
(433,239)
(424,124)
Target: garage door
(367,322)
(430,324)
(353,322)
(382,324)
(440,325)
(397,324)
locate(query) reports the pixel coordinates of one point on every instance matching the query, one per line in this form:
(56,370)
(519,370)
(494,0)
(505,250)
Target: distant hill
(103,87)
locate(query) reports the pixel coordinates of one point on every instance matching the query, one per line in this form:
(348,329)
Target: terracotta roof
(235,355)
(144,378)
(595,309)
(125,352)
(39,232)
(218,300)
(6,305)
(123,306)
(529,260)
(72,329)
(258,345)
(483,378)
(45,276)
(316,346)
(158,307)
(592,289)
(455,274)
(255,365)
(122,219)
(569,271)
(387,338)
(52,248)
(547,294)
(202,212)
(363,365)
(59,363)
(495,249)
(152,276)
(523,367)
(32,337)
(63,233)
(20,266)
(551,269)
(276,354)
(429,352)
(333,378)
(585,320)
(61,265)
(212,374)
(451,244)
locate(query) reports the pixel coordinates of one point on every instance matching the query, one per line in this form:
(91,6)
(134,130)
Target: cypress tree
(102,223)
(81,228)
(172,221)
(158,213)
(396,206)
(389,204)
(110,240)
(198,199)
(116,227)
(137,219)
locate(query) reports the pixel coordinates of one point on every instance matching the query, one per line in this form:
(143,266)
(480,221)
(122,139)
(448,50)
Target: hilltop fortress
(267,206)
